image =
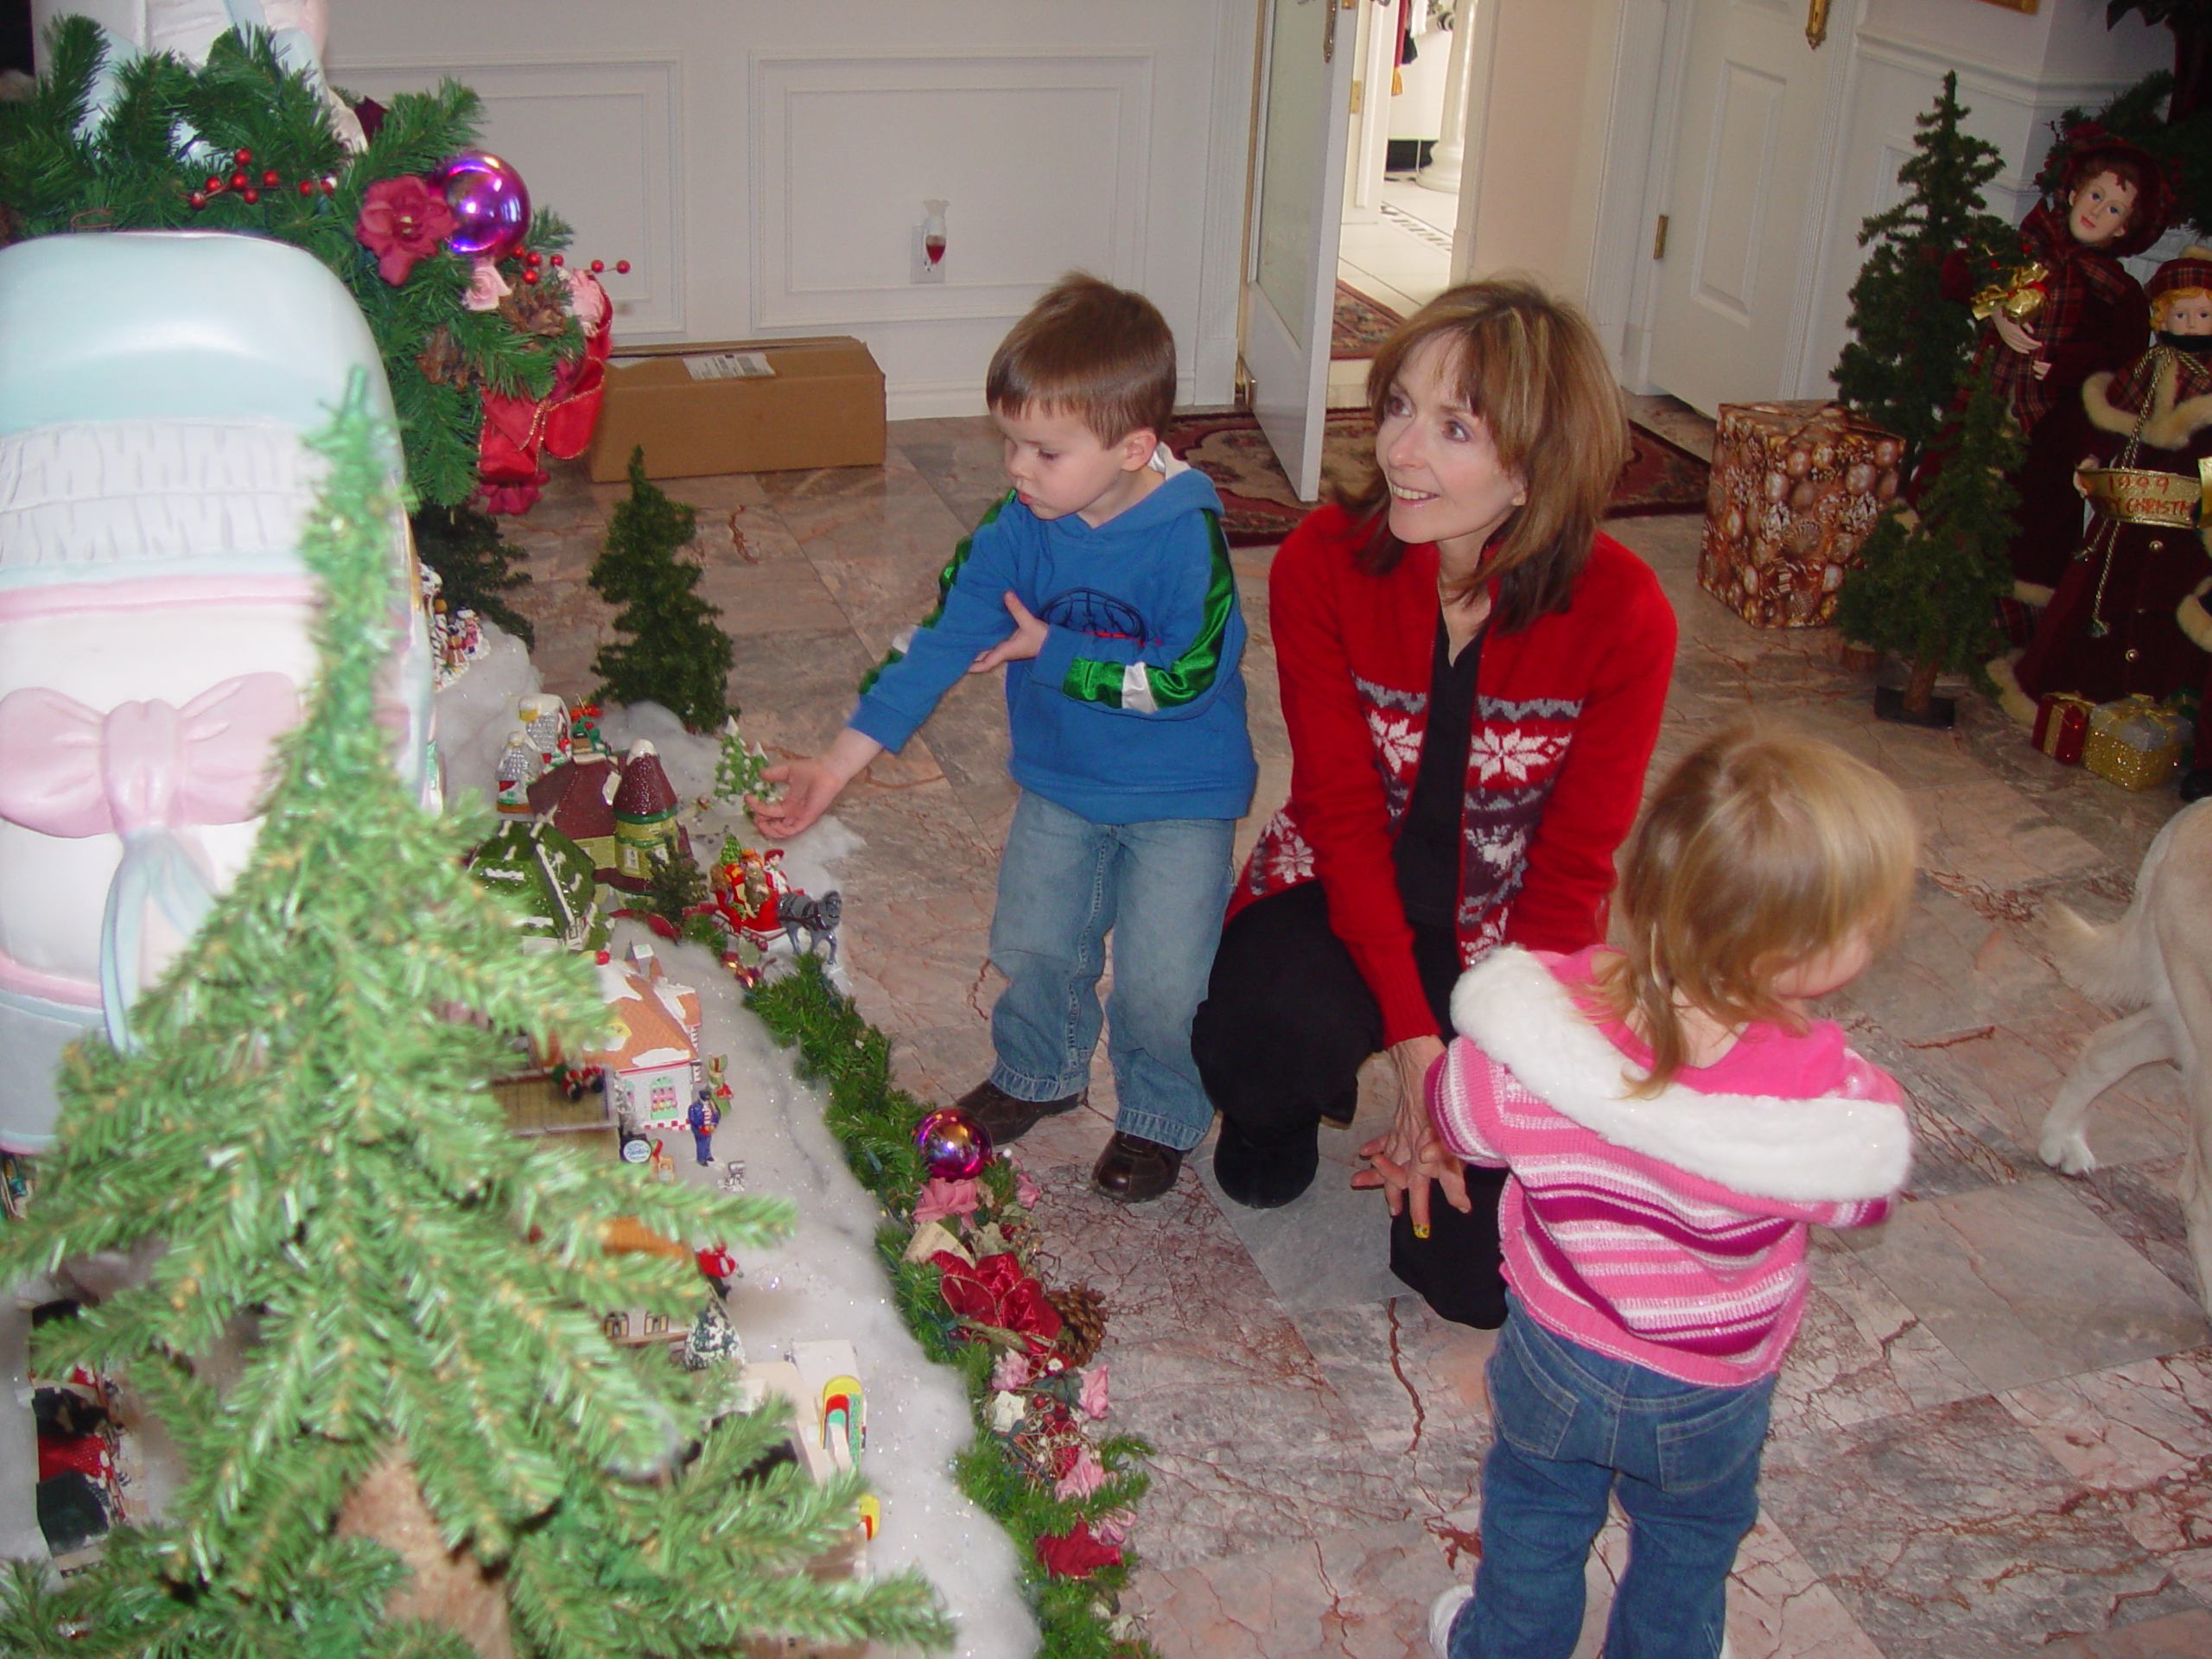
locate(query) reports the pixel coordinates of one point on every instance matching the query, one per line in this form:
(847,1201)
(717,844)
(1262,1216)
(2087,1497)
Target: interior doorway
(1401,178)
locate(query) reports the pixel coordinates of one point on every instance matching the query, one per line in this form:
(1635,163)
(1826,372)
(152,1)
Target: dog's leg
(2107,1058)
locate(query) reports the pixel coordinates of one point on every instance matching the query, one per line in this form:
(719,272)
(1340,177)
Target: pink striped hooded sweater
(1669,1232)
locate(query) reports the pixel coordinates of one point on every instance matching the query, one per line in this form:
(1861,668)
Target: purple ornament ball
(490,203)
(954,1146)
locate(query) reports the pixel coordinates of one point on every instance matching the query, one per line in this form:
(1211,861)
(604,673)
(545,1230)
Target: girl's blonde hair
(1762,850)
(1528,367)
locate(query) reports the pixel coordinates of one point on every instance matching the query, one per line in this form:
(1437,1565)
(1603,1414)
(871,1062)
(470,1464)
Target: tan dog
(2158,960)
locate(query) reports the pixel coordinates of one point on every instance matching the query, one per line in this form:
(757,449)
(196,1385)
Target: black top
(1427,851)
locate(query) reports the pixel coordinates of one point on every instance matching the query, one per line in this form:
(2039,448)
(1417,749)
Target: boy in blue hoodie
(1101,583)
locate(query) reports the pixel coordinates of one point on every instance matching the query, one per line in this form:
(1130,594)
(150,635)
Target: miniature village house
(653,1062)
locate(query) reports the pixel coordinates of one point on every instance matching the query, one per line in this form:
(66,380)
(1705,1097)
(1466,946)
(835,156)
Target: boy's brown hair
(1761,851)
(1087,348)
(1528,367)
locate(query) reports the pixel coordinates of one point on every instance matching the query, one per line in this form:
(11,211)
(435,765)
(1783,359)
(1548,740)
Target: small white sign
(729,365)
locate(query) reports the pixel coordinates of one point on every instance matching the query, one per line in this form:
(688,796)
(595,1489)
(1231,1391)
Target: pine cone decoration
(440,360)
(534,310)
(1083,1322)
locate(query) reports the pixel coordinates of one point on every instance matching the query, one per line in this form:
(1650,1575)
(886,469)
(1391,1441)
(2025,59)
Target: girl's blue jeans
(1573,1429)
(1161,888)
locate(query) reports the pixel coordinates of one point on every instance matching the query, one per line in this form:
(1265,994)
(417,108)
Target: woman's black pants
(1286,1026)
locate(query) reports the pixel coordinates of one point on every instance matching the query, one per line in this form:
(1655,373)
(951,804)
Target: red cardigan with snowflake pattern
(1566,714)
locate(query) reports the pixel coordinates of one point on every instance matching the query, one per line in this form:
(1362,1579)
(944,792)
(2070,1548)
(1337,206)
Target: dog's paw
(2069,1154)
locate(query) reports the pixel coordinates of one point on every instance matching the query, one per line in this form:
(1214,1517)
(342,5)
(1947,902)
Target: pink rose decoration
(1012,1371)
(587,299)
(487,288)
(941,1199)
(1084,1476)
(1093,1397)
(403,219)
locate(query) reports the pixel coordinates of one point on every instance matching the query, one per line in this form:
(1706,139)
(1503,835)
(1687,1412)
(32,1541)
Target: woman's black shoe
(1266,1173)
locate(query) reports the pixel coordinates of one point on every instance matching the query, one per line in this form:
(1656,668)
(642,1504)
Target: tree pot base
(1942,712)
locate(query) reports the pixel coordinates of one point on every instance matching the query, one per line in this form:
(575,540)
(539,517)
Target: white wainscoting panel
(600,143)
(1044,158)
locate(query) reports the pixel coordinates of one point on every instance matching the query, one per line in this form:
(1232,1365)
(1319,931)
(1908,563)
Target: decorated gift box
(2134,742)
(1796,488)
(2063,725)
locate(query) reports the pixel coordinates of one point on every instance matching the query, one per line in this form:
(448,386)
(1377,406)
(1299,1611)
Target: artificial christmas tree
(1926,590)
(1909,341)
(674,654)
(465,548)
(299,1121)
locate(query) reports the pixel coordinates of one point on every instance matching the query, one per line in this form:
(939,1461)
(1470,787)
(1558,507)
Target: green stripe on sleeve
(946,578)
(1192,675)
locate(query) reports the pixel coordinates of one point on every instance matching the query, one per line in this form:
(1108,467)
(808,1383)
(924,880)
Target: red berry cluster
(249,187)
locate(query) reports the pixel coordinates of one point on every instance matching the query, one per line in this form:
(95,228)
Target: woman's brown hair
(1528,367)
(1762,850)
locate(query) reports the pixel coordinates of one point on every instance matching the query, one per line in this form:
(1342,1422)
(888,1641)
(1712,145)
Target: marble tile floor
(1994,1437)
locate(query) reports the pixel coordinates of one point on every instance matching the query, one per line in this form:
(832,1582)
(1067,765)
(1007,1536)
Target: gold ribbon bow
(2020,295)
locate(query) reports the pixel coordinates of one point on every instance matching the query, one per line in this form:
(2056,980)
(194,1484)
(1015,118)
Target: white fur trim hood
(1828,1151)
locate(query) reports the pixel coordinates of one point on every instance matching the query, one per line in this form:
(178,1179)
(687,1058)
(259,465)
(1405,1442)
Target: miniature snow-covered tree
(427,1447)
(672,654)
(1927,591)
(1909,341)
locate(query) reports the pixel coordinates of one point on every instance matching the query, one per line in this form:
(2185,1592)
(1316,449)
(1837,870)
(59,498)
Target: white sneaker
(1441,1612)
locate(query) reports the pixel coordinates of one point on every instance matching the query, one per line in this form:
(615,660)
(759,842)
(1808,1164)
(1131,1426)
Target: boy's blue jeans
(1574,1427)
(1063,882)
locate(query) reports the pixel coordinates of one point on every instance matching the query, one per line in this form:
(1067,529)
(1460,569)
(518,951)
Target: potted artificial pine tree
(1927,587)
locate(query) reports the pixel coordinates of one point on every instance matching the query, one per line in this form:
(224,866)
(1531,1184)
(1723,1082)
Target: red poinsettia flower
(996,1292)
(1076,1554)
(403,219)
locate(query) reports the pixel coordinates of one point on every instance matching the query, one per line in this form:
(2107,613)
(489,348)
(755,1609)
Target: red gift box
(2063,725)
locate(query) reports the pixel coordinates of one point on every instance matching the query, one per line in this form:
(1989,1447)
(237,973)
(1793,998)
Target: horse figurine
(816,918)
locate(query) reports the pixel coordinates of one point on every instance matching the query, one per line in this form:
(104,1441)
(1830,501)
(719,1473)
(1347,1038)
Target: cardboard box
(709,407)
(1796,488)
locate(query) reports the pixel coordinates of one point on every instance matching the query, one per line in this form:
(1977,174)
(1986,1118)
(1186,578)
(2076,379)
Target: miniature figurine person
(2068,310)
(703,1117)
(2121,619)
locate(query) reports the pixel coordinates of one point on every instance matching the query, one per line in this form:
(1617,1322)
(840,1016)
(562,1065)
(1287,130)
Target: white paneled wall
(763,166)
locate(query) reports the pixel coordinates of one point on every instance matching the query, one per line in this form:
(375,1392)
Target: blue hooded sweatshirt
(1133,711)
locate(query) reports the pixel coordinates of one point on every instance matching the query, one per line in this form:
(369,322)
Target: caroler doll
(2068,310)
(2129,614)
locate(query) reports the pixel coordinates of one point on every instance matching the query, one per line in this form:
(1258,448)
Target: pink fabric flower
(587,299)
(1093,1397)
(941,1199)
(1026,1191)
(403,219)
(1114,1527)
(1012,1370)
(487,288)
(1084,1476)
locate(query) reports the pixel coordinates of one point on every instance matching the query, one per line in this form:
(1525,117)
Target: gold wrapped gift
(2020,295)
(2134,742)
(2133,495)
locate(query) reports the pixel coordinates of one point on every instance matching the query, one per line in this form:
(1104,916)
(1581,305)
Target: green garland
(874,1120)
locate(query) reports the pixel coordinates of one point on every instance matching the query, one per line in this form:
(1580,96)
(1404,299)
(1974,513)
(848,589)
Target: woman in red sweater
(1473,678)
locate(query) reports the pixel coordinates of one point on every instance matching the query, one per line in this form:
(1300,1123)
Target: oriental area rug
(1258,507)
(1360,324)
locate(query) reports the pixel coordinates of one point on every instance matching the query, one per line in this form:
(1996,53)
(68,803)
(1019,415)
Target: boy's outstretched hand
(811,783)
(1025,642)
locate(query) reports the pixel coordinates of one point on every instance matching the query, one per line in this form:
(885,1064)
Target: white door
(1745,201)
(1298,214)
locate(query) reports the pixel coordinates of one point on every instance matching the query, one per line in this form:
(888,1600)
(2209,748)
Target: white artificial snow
(825,1281)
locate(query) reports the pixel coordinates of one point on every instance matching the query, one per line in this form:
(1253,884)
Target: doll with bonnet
(2129,614)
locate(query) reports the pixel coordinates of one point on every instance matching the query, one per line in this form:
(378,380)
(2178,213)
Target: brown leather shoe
(1133,1170)
(1007,1118)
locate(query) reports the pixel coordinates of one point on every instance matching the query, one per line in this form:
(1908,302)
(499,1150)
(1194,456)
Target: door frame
(1624,236)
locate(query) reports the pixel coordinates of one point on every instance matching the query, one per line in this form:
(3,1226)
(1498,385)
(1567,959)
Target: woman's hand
(1404,1161)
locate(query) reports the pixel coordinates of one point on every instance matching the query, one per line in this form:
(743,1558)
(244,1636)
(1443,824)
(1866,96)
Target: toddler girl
(1674,1124)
